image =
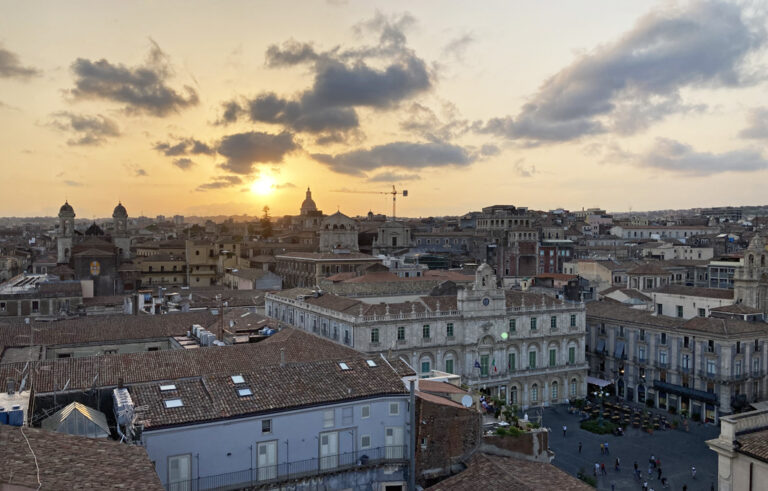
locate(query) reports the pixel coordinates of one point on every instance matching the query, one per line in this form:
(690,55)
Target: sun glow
(263,185)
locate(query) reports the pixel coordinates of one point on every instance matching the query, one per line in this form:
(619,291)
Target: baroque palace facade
(526,348)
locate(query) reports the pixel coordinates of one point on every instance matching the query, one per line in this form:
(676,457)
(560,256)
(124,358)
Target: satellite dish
(466,401)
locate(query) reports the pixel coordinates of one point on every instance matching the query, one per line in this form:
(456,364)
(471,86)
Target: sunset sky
(203,108)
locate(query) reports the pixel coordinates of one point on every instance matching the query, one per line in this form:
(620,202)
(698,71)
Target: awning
(699,395)
(600,345)
(619,349)
(598,381)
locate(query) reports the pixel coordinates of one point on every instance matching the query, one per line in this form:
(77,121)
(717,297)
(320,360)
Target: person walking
(645,486)
(597,468)
(565,428)
(579,447)
(618,462)
(652,460)
(602,449)
(606,449)
(602,469)
(658,470)
(693,472)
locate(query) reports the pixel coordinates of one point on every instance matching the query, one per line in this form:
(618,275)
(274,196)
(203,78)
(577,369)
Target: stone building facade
(523,347)
(750,283)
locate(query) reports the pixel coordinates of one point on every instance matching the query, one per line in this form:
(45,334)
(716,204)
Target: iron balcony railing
(271,475)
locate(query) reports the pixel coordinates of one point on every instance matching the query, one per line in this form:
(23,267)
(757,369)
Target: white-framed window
(266,426)
(365,441)
(328,419)
(711,366)
(365,411)
(394,408)
(347,415)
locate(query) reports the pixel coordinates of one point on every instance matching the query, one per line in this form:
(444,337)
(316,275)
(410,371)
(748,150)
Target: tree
(266,223)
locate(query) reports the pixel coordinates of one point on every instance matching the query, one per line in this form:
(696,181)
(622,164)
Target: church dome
(94,230)
(308,204)
(66,210)
(119,211)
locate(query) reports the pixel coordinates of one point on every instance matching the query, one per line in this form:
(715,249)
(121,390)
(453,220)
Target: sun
(263,185)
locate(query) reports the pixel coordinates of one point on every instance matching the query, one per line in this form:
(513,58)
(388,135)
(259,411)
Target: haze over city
(208,108)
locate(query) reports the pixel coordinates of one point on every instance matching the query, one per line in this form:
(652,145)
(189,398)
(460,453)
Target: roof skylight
(169,403)
(344,366)
(371,363)
(165,388)
(244,392)
(238,379)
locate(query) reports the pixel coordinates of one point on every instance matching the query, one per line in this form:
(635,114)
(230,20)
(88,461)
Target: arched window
(573,388)
(751,259)
(513,395)
(554,391)
(535,393)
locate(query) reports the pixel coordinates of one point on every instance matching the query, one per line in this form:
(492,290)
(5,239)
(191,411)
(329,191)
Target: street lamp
(601,394)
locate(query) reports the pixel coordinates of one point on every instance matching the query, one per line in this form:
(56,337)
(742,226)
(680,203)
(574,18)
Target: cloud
(285,185)
(220,182)
(343,80)
(757,120)
(243,150)
(424,122)
(184,163)
(10,66)
(73,184)
(89,130)
(626,85)
(143,89)
(185,146)
(406,155)
(393,177)
(674,156)
(456,47)
(141,173)
(523,171)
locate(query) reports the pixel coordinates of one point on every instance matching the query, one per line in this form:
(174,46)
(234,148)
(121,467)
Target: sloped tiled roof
(736,308)
(72,462)
(648,269)
(695,291)
(754,444)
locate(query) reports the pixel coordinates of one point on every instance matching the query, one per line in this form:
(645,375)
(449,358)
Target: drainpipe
(412,449)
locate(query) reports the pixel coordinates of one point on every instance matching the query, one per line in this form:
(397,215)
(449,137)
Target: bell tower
(66,233)
(120,238)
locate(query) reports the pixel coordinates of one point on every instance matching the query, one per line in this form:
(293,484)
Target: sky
(207,108)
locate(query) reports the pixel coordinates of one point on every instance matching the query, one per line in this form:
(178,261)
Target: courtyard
(677,450)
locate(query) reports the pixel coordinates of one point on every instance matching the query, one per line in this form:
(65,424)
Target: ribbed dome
(66,210)
(308,204)
(119,211)
(94,230)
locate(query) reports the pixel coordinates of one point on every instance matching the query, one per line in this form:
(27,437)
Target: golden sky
(203,108)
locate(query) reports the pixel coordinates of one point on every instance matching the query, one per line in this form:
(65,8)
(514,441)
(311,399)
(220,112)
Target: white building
(524,347)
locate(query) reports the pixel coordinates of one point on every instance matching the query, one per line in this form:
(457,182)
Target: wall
(229,446)
(530,446)
(690,304)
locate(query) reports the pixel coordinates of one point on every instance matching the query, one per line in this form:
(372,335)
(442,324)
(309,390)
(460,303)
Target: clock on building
(486,301)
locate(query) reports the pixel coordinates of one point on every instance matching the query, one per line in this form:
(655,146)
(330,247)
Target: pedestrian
(664,481)
(693,472)
(652,460)
(602,468)
(602,449)
(618,462)
(606,449)
(613,485)
(645,486)
(579,447)
(564,430)
(597,468)
(658,469)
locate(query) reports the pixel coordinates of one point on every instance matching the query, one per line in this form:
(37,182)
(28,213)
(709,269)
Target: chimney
(11,386)
(282,357)
(120,383)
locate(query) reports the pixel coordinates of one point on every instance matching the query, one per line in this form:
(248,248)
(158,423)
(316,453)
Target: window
(679,310)
(63,355)
(757,345)
(425,367)
(662,357)
(686,340)
(711,346)
(573,387)
(513,395)
(642,334)
(153,348)
(328,419)
(621,331)
(365,411)
(170,403)
(534,393)
(737,368)
(179,471)
(394,408)
(238,379)
(484,360)
(533,323)
(511,362)
(663,338)
(659,309)
(2,306)
(710,367)
(449,329)
(641,354)
(347,415)
(552,357)
(449,366)
(572,355)
(512,325)
(702,313)
(685,362)
(755,365)
(553,322)
(166,388)
(375,335)
(35,306)
(365,441)
(401,333)
(738,346)
(554,391)
(343,366)
(532,359)
(244,392)
(266,426)
(573,320)
(425,331)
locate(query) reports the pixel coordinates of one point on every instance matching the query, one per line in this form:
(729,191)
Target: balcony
(706,375)
(273,475)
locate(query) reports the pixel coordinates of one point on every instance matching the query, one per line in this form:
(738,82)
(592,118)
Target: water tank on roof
(16,416)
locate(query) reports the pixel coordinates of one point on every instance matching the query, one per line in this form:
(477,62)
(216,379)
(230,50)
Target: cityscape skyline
(231,110)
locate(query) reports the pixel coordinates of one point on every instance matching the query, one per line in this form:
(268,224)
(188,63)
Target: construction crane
(394,193)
